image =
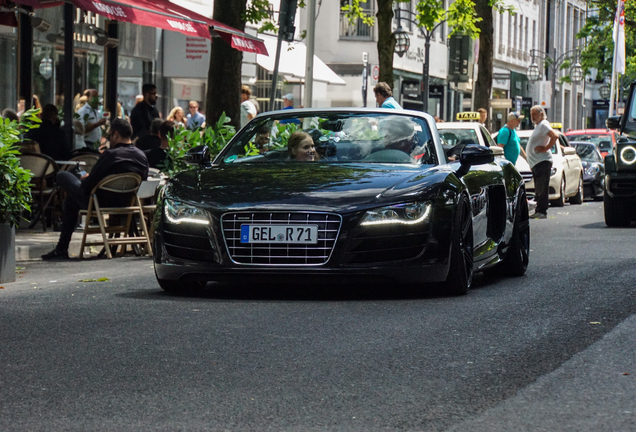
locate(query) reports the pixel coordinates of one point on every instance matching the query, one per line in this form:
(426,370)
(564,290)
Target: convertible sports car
(362,195)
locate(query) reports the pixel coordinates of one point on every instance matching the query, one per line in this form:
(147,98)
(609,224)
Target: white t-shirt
(93,117)
(247,107)
(538,138)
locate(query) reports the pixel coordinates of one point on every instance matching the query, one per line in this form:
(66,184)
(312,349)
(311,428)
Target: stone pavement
(31,244)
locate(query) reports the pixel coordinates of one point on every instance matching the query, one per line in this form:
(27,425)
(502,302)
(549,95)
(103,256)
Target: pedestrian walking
(144,112)
(384,96)
(195,119)
(248,110)
(509,139)
(539,156)
(92,119)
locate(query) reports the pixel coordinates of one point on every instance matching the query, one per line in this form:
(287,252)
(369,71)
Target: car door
(571,168)
(488,198)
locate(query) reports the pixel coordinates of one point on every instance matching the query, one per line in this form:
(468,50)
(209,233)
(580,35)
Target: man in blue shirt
(509,140)
(288,103)
(384,96)
(195,119)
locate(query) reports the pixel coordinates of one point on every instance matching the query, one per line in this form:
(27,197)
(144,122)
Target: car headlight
(553,171)
(178,212)
(401,214)
(628,155)
(591,170)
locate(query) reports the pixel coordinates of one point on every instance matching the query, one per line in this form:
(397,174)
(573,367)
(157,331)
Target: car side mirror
(473,154)
(613,122)
(568,151)
(199,155)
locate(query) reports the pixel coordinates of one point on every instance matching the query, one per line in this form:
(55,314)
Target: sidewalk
(31,244)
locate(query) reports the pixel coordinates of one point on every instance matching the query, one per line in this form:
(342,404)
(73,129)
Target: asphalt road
(554,350)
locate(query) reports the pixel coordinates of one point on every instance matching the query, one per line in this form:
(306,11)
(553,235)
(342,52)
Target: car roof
(458,125)
(590,131)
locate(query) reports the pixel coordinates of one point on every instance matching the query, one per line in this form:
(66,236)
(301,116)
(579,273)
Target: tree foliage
(599,46)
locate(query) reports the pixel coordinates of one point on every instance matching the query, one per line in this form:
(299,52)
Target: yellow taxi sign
(468,115)
(556,125)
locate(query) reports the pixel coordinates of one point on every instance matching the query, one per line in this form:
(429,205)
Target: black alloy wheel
(517,257)
(460,273)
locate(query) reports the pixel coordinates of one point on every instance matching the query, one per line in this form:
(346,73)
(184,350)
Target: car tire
(460,273)
(560,201)
(578,198)
(616,213)
(515,263)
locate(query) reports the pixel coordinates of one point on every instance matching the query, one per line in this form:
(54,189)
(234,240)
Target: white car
(566,177)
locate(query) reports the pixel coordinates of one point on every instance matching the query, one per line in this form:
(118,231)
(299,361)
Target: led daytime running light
(400,221)
(179,220)
(633,154)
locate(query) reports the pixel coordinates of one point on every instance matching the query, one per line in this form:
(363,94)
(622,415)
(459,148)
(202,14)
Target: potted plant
(215,137)
(15,188)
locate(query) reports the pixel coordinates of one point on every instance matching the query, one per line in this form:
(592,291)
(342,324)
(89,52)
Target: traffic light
(286,18)
(458,58)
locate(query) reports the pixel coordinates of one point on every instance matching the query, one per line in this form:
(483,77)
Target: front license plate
(288,234)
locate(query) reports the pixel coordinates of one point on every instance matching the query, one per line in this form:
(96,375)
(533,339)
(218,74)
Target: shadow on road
(308,292)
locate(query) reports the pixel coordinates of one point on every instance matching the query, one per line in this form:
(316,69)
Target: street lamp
(604,91)
(428,34)
(554,63)
(402,41)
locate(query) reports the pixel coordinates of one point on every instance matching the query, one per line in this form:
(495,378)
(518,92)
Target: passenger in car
(261,139)
(301,147)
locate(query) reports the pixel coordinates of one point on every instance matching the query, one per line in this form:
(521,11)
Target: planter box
(7,253)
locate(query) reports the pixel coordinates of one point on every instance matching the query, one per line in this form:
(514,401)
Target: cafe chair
(29,146)
(89,162)
(127,185)
(43,188)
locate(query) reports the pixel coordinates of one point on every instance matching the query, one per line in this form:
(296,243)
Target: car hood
(312,186)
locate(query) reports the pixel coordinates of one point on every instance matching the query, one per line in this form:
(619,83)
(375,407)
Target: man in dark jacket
(144,112)
(122,157)
(49,136)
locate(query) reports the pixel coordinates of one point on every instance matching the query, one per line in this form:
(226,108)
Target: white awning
(292,62)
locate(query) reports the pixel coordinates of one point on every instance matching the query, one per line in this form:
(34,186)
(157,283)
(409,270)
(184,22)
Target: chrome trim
(231,228)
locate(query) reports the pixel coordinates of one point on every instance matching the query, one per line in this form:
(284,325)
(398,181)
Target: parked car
(379,202)
(604,139)
(593,169)
(619,201)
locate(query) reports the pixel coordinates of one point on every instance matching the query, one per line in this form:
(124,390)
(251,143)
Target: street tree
(224,74)
(598,51)
(483,86)
(466,17)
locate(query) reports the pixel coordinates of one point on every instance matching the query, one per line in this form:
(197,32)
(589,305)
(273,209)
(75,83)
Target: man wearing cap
(509,140)
(90,116)
(288,103)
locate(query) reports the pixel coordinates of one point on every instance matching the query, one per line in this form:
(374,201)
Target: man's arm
(99,171)
(89,127)
(553,139)
(501,141)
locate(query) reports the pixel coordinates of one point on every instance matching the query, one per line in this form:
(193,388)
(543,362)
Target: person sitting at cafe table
(152,140)
(122,157)
(157,155)
(49,136)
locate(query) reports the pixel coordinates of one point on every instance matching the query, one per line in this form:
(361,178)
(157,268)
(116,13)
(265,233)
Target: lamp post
(554,63)
(403,43)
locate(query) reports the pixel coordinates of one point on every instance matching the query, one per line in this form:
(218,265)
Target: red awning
(165,15)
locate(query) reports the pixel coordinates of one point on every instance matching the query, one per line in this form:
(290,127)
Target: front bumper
(621,185)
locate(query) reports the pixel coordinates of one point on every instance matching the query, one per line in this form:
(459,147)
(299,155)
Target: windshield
(458,136)
(587,152)
(334,138)
(603,142)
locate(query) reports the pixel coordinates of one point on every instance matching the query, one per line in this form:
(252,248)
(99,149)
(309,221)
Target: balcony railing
(357,30)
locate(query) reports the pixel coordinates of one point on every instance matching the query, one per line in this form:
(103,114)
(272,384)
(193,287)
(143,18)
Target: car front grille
(188,242)
(527,176)
(280,254)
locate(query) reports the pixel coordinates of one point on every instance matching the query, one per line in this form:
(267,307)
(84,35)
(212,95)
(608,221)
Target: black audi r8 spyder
(345,195)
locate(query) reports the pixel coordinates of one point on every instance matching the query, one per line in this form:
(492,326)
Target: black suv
(620,168)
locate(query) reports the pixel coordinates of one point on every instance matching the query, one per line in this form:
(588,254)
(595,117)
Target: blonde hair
(173,112)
